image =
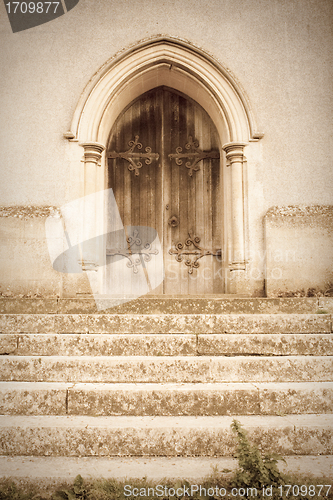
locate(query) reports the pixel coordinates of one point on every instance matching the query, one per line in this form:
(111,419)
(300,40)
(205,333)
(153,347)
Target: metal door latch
(173,221)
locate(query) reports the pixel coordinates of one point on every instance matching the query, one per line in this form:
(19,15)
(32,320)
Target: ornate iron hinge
(195,154)
(198,252)
(134,157)
(135,257)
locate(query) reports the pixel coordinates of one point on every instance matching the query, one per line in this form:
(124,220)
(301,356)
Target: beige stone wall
(299,250)
(24,262)
(279,51)
(25,265)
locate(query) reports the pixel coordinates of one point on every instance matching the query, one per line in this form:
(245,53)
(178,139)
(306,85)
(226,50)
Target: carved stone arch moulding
(165,61)
(162,61)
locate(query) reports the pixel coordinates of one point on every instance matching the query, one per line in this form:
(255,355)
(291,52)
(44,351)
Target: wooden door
(164,169)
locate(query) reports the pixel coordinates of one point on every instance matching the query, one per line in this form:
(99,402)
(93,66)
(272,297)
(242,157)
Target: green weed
(255,470)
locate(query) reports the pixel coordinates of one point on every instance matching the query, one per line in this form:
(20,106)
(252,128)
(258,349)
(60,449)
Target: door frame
(188,69)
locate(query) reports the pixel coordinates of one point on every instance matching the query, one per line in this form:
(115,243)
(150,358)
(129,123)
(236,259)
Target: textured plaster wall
(299,250)
(280,51)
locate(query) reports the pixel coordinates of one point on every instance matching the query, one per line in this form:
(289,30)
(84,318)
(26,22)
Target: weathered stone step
(42,398)
(166,344)
(166,369)
(100,345)
(161,436)
(275,344)
(163,304)
(166,323)
(55,471)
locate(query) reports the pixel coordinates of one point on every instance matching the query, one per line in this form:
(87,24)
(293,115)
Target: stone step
(101,344)
(52,472)
(42,398)
(163,376)
(161,436)
(177,369)
(166,323)
(275,344)
(166,344)
(163,304)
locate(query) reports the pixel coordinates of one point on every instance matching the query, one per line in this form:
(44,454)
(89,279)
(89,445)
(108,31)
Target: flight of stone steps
(165,376)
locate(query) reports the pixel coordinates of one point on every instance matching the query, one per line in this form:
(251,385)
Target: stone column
(92,159)
(237,265)
(91,246)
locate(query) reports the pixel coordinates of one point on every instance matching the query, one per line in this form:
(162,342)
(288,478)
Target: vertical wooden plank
(150,170)
(209,213)
(126,217)
(194,196)
(135,180)
(116,240)
(142,178)
(154,173)
(111,184)
(171,189)
(124,181)
(200,207)
(183,186)
(216,203)
(157,187)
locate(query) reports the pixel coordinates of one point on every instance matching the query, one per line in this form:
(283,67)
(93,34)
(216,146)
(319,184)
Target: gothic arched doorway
(164,169)
(185,68)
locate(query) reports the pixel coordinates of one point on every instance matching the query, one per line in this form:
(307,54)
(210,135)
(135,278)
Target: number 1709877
(32,7)
(319,490)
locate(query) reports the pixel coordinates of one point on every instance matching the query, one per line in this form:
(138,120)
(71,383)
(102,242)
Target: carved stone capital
(234,151)
(92,152)
(70,136)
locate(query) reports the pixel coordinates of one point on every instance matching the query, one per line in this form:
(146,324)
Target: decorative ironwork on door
(135,257)
(198,252)
(134,157)
(194,155)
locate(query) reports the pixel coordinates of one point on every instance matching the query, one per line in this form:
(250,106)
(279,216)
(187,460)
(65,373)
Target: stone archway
(187,69)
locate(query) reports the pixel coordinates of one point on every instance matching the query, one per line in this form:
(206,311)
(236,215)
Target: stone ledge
(168,344)
(176,369)
(51,471)
(300,211)
(28,212)
(101,345)
(165,323)
(219,304)
(162,436)
(152,399)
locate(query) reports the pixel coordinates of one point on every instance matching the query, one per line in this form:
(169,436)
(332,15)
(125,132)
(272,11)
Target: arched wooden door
(164,170)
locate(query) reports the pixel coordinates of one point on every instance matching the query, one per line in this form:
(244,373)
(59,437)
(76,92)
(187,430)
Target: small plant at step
(78,492)
(255,470)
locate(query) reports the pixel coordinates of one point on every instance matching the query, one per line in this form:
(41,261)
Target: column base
(239,283)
